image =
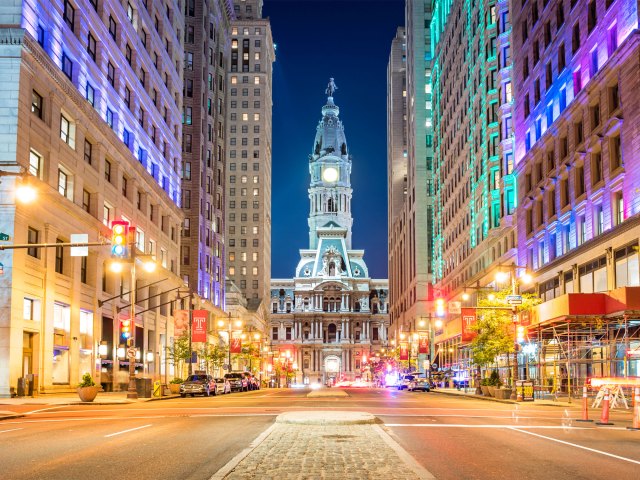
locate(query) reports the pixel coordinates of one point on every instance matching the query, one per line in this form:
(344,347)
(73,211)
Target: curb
(11,417)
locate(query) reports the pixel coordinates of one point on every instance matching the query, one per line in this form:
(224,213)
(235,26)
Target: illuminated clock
(330,174)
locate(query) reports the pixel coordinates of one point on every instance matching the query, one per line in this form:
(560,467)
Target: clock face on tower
(330,174)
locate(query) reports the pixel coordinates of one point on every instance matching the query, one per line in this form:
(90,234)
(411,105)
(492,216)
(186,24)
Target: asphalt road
(192,438)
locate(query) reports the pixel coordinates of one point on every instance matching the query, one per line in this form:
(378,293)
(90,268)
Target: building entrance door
(27,353)
(332,369)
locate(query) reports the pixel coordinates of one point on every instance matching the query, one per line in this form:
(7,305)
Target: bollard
(604,419)
(636,410)
(585,406)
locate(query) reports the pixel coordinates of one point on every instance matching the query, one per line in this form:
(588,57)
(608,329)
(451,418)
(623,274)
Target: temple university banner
(199,325)
(423,346)
(468,321)
(404,351)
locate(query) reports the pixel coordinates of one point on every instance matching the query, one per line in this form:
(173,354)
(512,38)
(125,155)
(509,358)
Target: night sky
(349,40)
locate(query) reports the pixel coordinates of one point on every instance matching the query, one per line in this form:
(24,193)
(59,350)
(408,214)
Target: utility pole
(190,327)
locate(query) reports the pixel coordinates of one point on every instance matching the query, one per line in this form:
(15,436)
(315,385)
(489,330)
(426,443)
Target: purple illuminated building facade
(577,76)
(90,114)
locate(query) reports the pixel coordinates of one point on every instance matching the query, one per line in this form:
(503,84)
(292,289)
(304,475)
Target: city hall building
(331,317)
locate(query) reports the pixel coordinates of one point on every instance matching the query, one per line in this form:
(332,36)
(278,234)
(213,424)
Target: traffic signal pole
(131,351)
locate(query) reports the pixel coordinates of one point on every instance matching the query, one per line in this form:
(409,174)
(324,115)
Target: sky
(349,40)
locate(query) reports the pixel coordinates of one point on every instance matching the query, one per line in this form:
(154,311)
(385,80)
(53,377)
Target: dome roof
(330,138)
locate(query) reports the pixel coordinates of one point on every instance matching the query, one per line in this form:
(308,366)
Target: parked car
(404,381)
(419,384)
(238,381)
(222,386)
(198,384)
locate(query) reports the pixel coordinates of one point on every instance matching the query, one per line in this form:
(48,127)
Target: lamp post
(422,323)
(502,277)
(221,323)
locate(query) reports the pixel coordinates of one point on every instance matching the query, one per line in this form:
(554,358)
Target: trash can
(32,384)
(22,387)
(143,387)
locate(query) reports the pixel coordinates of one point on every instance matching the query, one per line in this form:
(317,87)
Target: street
(195,437)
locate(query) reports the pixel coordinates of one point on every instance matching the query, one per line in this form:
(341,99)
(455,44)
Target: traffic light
(520,333)
(119,234)
(440,305)
(125,328)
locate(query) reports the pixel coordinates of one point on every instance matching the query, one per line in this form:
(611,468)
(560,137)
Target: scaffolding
(569,350)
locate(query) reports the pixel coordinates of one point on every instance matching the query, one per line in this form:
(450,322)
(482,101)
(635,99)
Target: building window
(36,104)
(111,74)
(113,27)
(598,219)
(615,156)
(69,14)
(109,117)
(63,183)
(59,258)
(67,66)
(627,268)
(596,167)
(35,163)
(67,131)
(86,201)
(33,237)
(107,170)
(91,46)
(618,204)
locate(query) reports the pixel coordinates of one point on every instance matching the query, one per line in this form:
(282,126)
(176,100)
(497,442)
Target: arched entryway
(332,369)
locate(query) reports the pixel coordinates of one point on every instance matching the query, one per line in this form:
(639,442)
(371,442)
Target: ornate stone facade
(331,317)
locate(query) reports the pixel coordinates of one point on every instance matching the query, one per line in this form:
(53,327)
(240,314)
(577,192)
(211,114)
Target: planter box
(174,388)
(88,394)
(492,390)
(485,390)
(503,393)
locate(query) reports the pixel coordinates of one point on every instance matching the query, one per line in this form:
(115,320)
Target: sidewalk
(344,445)
(103,398)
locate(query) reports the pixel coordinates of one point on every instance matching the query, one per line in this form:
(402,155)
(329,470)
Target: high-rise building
(90,105)
(329,320)
(410,163)
(473,161)
(577,77)
(248,151)
(207,50)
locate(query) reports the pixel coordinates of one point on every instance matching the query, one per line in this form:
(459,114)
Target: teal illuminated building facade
(475,188)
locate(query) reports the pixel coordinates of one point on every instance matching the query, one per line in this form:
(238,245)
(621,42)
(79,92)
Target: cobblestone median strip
(329,450)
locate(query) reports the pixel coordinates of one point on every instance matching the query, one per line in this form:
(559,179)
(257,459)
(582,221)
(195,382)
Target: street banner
(525,318)
(423,346)
(469,319)
(404,351)
(236,344)
(455,308)
(180,322)
(199,325)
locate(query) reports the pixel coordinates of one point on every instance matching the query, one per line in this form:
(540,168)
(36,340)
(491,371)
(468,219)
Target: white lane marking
(11,430)
(578,446)
(52,420)
(233,463)
(433,425)
(48,409)
(126,431)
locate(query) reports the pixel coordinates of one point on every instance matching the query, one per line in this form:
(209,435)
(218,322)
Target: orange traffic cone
(585,406)
(636,410)
(604,419)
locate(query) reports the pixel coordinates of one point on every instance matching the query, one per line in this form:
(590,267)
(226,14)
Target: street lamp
(230,324)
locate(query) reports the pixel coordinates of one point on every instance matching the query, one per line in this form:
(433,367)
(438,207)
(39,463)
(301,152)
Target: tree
(213,356)
(178,353)
(494,327)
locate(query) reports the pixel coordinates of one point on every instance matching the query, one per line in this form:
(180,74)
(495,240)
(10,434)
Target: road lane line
(126,431)
(578,446)
(461,425)
(11,430)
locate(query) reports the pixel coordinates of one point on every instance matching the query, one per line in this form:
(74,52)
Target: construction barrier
(585,406)
(636,410)
(604,418)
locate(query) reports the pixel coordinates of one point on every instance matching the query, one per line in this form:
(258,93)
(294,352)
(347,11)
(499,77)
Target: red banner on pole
(236,345)
(404,351)
(180,322)
(199,325)
(525,318)
(469,319)
(423,346)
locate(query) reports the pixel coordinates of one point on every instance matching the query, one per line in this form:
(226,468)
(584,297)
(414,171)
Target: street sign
(455,308)
(4,237)
(79,238)
(131,352)
(514,299)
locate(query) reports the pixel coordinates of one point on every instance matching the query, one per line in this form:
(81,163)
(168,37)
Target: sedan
(198,384)
(419,384)
(222,386)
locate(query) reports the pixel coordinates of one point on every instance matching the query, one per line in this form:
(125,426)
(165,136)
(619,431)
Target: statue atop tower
(331,88)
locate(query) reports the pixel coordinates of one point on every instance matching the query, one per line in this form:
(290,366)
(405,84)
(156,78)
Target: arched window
(331,330)
(330,205)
